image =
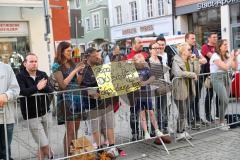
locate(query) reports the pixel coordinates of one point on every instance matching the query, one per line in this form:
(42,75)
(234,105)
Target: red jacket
(133,53)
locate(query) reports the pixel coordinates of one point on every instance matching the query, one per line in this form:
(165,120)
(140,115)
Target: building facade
(22,29)
(94,20)
(131,18)
(204,16)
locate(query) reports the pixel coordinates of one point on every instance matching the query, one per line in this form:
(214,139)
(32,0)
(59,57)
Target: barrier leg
(164,146)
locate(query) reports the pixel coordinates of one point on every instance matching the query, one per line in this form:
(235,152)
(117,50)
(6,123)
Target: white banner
(13,29)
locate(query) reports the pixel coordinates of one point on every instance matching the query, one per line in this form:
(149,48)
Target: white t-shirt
(33,77)
(164,58)
(213,67)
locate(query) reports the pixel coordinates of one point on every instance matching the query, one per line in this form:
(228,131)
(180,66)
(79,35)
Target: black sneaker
(135,137)
(152,134)
(195,126)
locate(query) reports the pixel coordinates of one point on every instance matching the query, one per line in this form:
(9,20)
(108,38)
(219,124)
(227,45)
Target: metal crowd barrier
(127,125)
(203,112)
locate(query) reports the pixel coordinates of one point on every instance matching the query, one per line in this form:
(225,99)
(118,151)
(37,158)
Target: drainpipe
(173,15)
(48,30)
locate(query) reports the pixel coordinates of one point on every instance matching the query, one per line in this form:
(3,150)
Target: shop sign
(146,28)
(135,30)
(129,31)
(13,28)
(215,3)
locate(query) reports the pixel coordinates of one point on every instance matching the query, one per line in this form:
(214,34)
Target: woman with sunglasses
(185,68)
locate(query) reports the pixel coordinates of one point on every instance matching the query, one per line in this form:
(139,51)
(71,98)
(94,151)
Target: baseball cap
(91,50)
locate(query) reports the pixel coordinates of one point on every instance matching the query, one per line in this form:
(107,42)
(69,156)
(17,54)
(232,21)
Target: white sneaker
(217,118)
(184,135)
(113,151)
(158,133)
(224,127)
(147,135)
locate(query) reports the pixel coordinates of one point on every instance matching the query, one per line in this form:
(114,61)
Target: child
(144,102)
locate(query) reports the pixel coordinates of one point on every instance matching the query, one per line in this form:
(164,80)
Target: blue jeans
(3,148)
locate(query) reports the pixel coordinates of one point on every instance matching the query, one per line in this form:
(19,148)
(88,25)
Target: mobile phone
(236,52)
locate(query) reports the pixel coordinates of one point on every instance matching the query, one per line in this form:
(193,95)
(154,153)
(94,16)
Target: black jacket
(36,106)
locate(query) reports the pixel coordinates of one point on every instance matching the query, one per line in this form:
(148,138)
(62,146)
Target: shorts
(143,104)
(39,129)
(103,122)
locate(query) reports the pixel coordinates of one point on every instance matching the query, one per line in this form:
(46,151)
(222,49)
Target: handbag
(208,83)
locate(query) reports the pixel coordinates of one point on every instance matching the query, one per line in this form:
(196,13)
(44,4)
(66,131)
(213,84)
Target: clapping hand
(42,84)
(235,53)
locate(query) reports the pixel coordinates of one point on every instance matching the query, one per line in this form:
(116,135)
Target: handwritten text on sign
(116,78)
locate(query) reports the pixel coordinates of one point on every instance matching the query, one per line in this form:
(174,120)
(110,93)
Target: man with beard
(103,122)
(194,118)
(134,117)
(136,48)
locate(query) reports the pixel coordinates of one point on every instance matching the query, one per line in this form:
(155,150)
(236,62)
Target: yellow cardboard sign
(116,78)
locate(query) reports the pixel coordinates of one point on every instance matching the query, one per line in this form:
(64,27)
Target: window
(87,24)
(133,7)
(235,13)
(119,14)
(96,20)
(149,8)
(160,7)
(89,1)
(106,21)
(77,3)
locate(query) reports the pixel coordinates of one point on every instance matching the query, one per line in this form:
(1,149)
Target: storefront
(22,28)
(14,43)
(203,22)
(207,16)
(235,25)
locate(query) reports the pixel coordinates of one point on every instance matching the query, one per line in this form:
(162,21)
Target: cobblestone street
(213,145)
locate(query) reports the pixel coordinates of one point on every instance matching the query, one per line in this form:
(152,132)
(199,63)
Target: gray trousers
(221,85)
(182,106)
